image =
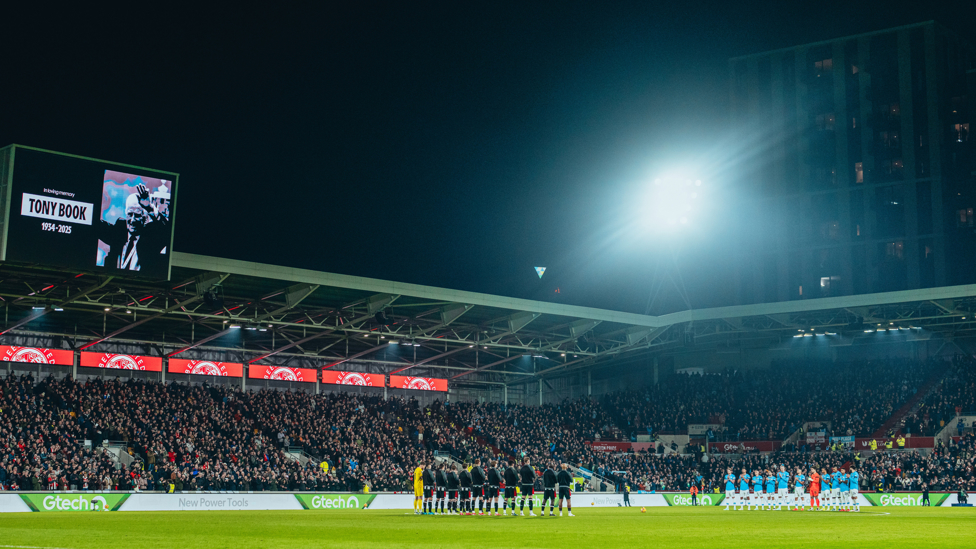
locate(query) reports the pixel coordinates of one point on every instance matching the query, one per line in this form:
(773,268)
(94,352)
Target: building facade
(857,171)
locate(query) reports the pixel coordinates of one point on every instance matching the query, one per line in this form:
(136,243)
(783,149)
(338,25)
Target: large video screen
(90,215)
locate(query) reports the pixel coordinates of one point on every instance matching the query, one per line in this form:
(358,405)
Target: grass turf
(915,527)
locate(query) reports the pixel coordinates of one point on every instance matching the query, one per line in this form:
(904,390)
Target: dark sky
(452,145)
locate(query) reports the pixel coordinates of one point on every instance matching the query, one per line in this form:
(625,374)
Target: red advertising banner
(36,355)
(614,446)
(281,373)
(122,362)
(609,446)
(744,446)
(418,383)
(205,368)
(352,378)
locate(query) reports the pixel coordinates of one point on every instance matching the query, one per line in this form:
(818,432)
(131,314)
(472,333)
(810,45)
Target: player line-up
(440,489)
(827,491)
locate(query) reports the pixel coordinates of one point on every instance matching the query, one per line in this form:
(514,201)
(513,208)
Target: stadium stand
(190,437)
(955,396)
(770,404)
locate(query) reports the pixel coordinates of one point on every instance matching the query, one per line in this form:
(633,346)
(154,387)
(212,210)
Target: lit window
(825,121)
(962,132)
(928,252)
(830,230)
(889,139)
(894,109)
(895,249)
(801,290)
(854,69)
(859,172)
(892,166)
(824,67)
(964,217)
(858,230)
(854,122)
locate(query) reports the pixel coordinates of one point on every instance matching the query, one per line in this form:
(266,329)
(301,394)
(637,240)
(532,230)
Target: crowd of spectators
(204,437)
(955,396)
(770,404)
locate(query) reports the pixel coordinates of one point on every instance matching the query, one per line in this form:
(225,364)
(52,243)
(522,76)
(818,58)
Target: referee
(625,487)
(565,480)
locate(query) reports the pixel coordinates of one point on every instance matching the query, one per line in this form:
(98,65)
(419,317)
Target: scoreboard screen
(87,215)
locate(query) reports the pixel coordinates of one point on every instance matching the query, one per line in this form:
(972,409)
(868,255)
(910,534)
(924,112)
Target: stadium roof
(296,317)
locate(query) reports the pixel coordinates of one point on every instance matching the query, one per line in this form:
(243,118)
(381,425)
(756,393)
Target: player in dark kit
(527,481)
(565,480)
(478,477)
(453,483)
(494,481)
(511,481)
(549,491)
(465,478)
(428,477)
(440,488)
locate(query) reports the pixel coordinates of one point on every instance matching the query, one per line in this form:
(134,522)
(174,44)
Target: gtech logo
(895,499)
(329,502)
(681,499)
(74,503)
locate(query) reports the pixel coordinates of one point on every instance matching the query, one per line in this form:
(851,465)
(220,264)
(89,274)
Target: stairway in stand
(924,391)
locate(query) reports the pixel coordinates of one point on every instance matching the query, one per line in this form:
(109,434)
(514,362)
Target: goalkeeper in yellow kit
(418,488)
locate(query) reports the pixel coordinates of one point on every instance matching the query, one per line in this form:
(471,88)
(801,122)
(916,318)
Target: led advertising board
(352,378)
(205,368)
(122,362)
(281,373)
(418,383)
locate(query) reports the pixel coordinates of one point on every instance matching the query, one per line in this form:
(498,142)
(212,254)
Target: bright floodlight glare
(672,204)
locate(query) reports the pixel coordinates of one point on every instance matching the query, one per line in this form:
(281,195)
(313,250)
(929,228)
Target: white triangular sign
(540,271)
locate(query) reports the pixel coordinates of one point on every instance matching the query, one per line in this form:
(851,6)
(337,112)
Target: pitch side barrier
(80,502)
(87,502)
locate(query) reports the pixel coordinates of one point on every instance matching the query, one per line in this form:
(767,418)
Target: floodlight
(672,203)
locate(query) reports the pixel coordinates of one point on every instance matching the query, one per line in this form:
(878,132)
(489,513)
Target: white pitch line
(29,547)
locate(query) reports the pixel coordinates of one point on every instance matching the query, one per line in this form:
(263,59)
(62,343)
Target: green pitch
(913,527)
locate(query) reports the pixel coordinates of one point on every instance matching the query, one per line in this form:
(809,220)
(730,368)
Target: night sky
(455,145)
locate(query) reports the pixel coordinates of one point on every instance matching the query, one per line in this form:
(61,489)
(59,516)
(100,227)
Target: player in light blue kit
(845,495)
(744,479)
(835,489)
(729,487)
(824,491)
(770,489)
(799,481)
(783,487)
(756,494)
(855,480)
